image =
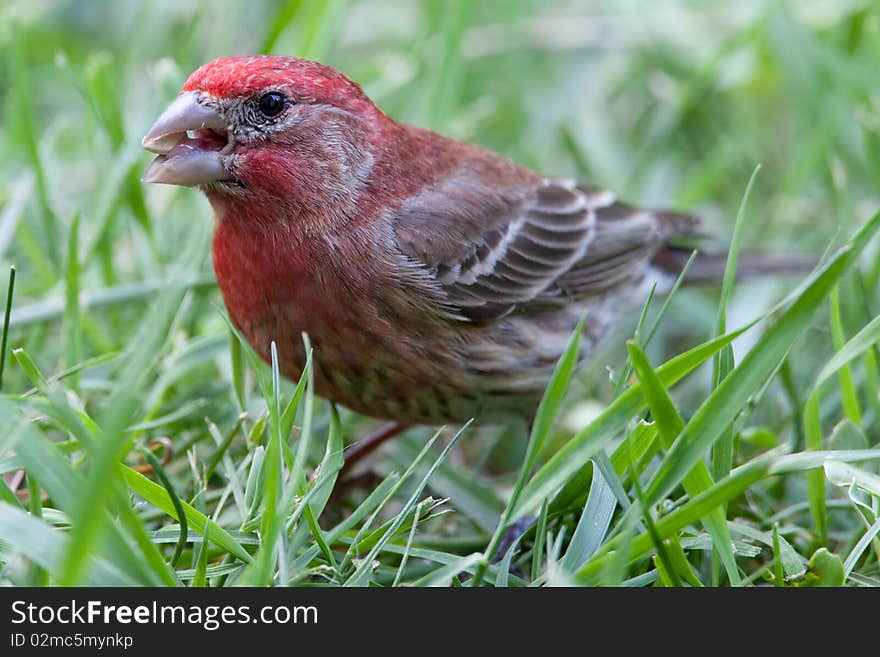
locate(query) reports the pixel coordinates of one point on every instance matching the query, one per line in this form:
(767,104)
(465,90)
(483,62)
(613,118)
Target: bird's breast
(276,288)
(369,352)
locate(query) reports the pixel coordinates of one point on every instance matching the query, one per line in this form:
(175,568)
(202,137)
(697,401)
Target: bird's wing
(493,253)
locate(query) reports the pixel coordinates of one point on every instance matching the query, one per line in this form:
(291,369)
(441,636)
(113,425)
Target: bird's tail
(708,268)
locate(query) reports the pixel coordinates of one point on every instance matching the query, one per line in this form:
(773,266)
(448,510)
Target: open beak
(189,139)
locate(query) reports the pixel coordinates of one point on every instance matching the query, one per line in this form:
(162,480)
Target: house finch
(438,281)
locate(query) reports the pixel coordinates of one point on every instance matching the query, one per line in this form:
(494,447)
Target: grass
(725,437)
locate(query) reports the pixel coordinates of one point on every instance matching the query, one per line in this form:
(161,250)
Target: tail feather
(708,268)
(674,225)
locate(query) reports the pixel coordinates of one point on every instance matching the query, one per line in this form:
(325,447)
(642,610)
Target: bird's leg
(369,445)
(513,534)
(515,531)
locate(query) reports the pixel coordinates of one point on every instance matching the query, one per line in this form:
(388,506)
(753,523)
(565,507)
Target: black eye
(272,103)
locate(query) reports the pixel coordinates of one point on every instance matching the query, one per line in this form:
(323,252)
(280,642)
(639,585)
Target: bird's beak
(190,139)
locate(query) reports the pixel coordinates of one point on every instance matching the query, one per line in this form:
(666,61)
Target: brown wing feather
(494,253)
(625,241)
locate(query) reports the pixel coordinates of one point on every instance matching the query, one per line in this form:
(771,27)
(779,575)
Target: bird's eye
(271,103)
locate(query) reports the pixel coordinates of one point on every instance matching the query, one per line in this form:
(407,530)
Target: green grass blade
(470,496)
(71,322)
(158,497)
(593,524)
(7,313)
(866,338)
(778,572)
(582,447)
(327,471)
(26,131)
(442,577)
(699,479)
(730,396)
(358,578)
(409,543)
(847,388)
(815,479)
(46,546)
(175,501)
(200,577)
(540,536)
(724,490)
(859,548)
(723,363)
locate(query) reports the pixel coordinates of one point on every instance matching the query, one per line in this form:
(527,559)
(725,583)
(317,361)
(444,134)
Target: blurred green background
(669,103)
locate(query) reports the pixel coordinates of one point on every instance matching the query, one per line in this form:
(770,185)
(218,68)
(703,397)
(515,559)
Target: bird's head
(282,128)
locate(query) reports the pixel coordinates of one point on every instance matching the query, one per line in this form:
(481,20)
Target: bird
(438,281)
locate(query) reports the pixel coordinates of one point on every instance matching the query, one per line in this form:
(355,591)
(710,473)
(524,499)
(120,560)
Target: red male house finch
(438,281)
